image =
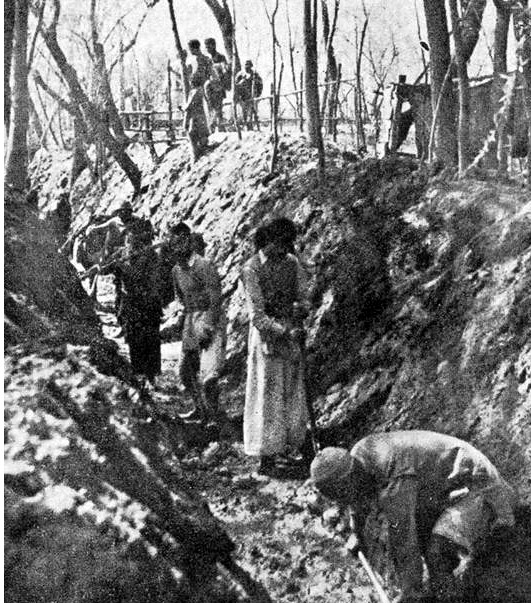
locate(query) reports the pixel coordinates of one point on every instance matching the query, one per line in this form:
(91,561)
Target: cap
(330,465)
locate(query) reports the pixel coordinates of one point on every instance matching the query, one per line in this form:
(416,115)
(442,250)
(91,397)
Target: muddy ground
(287,537)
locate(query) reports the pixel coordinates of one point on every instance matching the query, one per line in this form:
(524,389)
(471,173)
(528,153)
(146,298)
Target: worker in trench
(442,497)
(197,286)
(275,414)
(140,308)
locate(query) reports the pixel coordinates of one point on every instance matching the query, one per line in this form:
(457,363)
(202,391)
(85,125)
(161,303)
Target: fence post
(170,108)
(271,103)
(336,102)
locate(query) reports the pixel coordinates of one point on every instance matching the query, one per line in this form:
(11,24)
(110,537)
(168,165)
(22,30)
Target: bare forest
(243,240)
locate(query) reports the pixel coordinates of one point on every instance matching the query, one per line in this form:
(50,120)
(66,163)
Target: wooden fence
(167,125)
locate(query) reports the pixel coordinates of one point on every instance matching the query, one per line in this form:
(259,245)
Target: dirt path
(277,524)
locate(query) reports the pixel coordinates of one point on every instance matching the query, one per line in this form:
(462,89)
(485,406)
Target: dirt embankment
(420,288)
(421,308)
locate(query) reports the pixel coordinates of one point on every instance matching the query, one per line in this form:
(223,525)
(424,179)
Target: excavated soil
(421,318)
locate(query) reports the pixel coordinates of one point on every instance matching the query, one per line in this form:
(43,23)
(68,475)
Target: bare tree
(380,67)
(463,145)
(312,88)
(441,89)
(331,71)
(359,95)
(16,167)
(9,28)
(522,25)
(501,35)
(95,122)
(233,83)
(180,51)
(291,51)
(277,82)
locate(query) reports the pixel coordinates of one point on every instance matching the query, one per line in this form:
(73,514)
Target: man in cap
(441,496)
(199,68)
(198,287)
(249,86)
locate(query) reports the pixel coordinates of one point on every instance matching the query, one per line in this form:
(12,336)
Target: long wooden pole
(233,79)
(372,576)
(170,107)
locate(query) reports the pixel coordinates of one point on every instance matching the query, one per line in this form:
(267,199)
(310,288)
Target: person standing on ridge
(199,68)
(249,87)
(217,84)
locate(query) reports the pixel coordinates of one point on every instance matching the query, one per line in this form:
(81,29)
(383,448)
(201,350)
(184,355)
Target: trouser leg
(189,373)
(189,369)
(448,567)
(211,390)
(399,502)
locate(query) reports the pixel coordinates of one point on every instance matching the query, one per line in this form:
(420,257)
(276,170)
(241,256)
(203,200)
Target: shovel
(373,578)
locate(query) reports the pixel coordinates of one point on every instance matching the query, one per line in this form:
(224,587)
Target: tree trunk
(471,17)
(88,110)
(180,52)
(442,97)
(35,120)
(463,142)
(9,26)
(17,145)
(104,92)
(522,25)
(79,154)
(501,34)
(223,17)
(327,107)
(311,84)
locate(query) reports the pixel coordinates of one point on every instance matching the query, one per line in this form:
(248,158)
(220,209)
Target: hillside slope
(421,317)
(420,287)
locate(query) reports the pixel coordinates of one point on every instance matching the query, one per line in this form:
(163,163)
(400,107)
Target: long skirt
(275,414)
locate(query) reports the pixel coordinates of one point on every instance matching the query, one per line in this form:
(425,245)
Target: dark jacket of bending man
(441,496)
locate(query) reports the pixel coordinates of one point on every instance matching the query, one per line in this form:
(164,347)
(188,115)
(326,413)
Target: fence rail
(291,115)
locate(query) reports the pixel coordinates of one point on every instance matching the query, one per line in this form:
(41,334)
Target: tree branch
(70,107)
(127,47)
(37,30)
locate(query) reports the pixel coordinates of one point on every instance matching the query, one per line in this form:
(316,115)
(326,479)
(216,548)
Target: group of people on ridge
(442,497)
(210,78)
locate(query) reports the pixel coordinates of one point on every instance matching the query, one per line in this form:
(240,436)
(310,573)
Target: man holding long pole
(441,496)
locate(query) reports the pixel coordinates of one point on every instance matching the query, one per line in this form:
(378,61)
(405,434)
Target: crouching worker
(441,497)
(197,286)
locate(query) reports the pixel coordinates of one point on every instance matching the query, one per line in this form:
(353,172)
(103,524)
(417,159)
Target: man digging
(441,496)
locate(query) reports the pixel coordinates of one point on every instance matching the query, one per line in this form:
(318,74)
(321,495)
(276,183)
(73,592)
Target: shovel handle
(372,576)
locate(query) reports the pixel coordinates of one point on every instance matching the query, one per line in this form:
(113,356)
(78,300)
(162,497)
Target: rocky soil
(421,308)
